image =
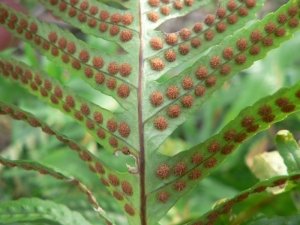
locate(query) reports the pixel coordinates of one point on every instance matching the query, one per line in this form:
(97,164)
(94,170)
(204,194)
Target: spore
(195,174)
(221,27)
(187,83)
(129,210)
(163,197)
(179,185)
(198,27)
(124,129)
(211,162)
(127,19)
(161,123)
(99,78)
(113,142)
(196,42)
(256,36)
(199,91)
(114,180)
(127,188)
(111,125)
(123,91)
(84,56)
(187,101)
(172,92)
(101,134)
(157,64)
(209,35)
(118,195)
(201,72)
(70,101)
(156,43)
(111,83)
(209,19)
(156,98)
(180,168)
(89,73)
(174,111)
(177,5)
(230,135)
(165,10)
(228,53)
(33,27)
(163,171)
(104,15)
(215,62)
(153,16)
(231,5)
(221,13)
(113,68)
(232,19)
(214,147)
(171,39)
(71,47)
(184,49)
(170,55)
(126,35)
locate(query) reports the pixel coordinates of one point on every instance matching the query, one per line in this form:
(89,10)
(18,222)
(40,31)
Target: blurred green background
(19,141)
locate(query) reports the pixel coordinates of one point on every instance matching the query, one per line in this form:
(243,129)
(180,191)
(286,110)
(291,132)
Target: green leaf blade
(58,96)
(32,209)
(202,159)
(196,50)
(289,150)
(226,206)
(191,99)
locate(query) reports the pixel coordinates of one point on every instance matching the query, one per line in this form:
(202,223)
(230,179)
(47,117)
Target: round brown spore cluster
(180,168)
(161,123)
(153,16)
(163,197)
(163,171)
(127,188)
(92,20)
(129,210)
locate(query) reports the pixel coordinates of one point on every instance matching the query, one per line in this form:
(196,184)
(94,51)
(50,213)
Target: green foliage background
(279,68)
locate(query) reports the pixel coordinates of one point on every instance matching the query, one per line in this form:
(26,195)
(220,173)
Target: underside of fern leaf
(214,51)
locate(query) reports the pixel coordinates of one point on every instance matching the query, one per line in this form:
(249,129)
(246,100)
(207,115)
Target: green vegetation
(132,146)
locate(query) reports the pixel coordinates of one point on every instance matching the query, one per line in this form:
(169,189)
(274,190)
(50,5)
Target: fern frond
(176,48)
(60,175)
(100,20)
(99,122)
(84,154)
(226,206)
(155,12)
(99,70)
(39,211)
(190,89)
(119,184)
(187,168)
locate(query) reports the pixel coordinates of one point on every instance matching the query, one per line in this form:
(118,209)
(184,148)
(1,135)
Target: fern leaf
(119,184)
(176,48)
(100,20)
(186,169)
(19,114)
(100,123)
(60,175)
(225,207)
(96,68)
(277,220)
(209,73)
(155,12)
(289,150)
(37,210)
